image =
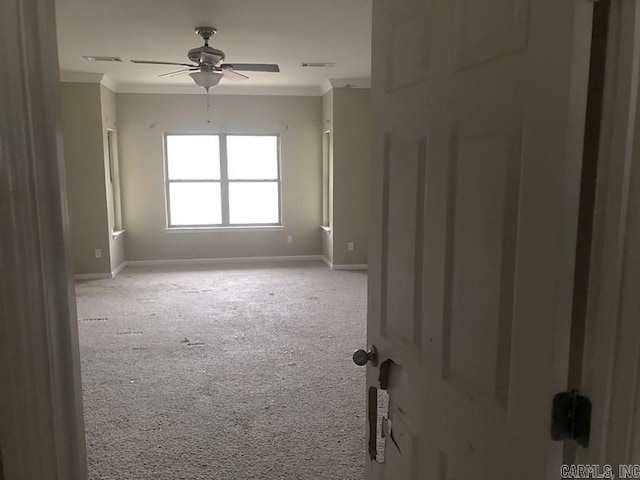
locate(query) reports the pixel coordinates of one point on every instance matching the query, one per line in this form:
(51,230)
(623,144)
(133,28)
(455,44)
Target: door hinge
(571,417)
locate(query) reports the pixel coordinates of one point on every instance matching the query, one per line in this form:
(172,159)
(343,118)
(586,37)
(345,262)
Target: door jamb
(610,330)
(41,413)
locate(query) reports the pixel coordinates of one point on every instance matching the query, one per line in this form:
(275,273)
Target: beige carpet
(237,372)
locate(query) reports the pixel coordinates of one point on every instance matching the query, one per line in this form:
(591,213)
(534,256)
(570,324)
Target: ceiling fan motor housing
(195,55)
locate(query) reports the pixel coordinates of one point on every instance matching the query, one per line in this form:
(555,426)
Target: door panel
(488,29)
(408,52)
(483,186)
(479,116)
(406,203)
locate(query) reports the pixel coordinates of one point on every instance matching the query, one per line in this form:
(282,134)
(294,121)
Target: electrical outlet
(289,238)
(350,246)
(98,253)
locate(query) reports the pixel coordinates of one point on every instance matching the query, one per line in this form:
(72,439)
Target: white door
(479,111)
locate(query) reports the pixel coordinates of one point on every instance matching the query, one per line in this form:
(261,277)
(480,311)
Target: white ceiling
(286,32)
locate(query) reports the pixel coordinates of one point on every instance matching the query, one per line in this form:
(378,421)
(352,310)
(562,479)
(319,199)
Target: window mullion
(224,180)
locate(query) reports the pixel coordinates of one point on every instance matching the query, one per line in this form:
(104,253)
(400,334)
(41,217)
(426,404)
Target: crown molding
(312,91)
(326,86)
(350,82)
(307,91)
(87,77)
(81,77)
(332,83)
(110,83)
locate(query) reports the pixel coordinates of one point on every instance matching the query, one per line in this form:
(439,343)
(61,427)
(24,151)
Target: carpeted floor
(226,373)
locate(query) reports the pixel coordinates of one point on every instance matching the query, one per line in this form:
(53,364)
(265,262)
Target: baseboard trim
(92,276)
(332,266)
(214,261)
(201,261)
(118,269)
(362,266)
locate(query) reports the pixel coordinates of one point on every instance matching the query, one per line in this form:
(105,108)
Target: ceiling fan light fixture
(206,80)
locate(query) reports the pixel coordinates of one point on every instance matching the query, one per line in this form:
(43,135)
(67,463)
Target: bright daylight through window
(222,180)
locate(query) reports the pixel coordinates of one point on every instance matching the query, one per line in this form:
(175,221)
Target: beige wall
(351,127)
(109,122)
(142,120)
(84,161)
(91,109)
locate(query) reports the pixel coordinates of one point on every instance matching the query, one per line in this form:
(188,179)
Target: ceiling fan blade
(177,72)
(151,62)
(252,67)
(232,74)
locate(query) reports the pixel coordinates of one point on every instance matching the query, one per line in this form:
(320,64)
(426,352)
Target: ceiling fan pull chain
(208,108)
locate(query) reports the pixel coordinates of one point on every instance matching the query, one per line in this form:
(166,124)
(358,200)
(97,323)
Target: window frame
(115,212)
(327,179)
(224,182)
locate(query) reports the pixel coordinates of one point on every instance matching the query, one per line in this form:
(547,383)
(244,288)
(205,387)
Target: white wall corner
(326,86)
(118,269)
(110,83)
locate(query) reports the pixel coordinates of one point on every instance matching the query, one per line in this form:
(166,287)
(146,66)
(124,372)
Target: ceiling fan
(207,68)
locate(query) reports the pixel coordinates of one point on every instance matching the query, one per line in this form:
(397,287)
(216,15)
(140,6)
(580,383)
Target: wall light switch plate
(98,253)
(350,246)
(289,238)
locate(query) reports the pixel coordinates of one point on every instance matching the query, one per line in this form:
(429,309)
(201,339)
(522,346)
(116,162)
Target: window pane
(195,203)
(252,158)
(253,202)
(193,157)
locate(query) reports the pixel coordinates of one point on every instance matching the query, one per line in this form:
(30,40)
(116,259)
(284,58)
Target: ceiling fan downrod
(206,33)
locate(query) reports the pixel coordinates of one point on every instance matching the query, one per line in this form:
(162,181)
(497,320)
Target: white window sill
(117,233)
(325,228)
(253,228)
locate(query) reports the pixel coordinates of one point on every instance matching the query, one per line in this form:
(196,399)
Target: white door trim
(612,331)
(41,415)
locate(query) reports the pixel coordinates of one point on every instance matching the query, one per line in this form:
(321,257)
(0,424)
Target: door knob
(362,357)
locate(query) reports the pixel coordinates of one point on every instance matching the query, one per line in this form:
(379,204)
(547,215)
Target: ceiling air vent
(317,64)
(94,58)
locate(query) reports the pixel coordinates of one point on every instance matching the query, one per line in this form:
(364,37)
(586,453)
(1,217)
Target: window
(115,205)
(326,179)
(222,180)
